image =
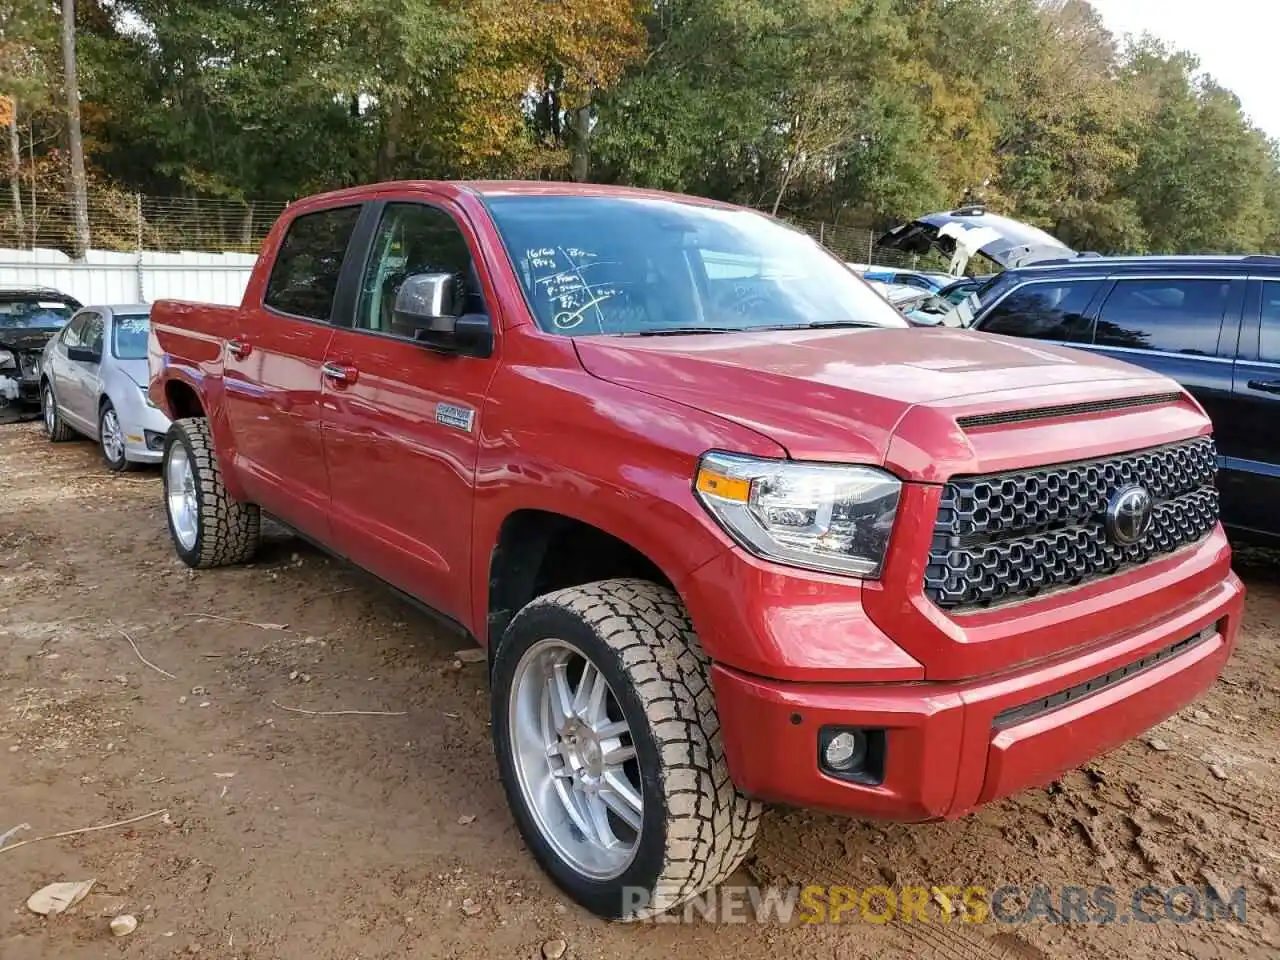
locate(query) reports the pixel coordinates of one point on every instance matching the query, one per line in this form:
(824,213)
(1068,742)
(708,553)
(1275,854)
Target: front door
(81,390)
(403,422)
(271,373)
(61,371)
(1251,456)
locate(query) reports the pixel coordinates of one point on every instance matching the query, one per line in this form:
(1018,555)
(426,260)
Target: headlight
(7,360)
(818,516)
(146,398)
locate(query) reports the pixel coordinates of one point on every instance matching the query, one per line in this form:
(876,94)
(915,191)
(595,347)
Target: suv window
(412,239)
(305,276)
(1269,342)
(1174,316)
(1045,311)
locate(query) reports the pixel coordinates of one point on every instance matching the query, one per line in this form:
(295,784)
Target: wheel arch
(539,551)
(182,400)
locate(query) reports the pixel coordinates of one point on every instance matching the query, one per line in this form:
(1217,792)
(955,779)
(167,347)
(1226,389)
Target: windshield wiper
(760,328)
(835,324)
(680,331)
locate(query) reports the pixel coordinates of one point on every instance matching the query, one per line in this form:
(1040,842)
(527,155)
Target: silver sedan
(93,381)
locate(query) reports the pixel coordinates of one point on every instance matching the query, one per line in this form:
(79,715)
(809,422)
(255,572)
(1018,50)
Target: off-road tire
(227,531)
(60,432)
(696,827)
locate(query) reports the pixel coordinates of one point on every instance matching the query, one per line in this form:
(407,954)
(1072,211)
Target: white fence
(105,277)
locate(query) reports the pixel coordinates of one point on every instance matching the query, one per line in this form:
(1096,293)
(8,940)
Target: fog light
(845,751)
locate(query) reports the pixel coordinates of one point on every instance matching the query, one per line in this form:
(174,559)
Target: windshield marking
(665,263)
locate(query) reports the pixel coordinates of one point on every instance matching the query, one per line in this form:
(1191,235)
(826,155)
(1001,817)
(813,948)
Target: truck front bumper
(952,746)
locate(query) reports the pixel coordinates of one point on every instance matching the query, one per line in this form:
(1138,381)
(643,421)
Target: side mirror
(427,310)
(84,355)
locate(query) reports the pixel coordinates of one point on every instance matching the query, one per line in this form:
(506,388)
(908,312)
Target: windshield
(129,336)
(628,265)
(34,314)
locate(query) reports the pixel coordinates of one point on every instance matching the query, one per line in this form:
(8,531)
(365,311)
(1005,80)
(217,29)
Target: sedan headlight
(7,360)
(817,516)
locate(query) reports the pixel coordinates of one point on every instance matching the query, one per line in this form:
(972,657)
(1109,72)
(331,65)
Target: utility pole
(77,187)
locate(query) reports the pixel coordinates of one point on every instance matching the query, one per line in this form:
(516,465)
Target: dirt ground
(288,836)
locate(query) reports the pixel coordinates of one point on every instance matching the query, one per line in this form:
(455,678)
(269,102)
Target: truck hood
(843,396)
(1010,243)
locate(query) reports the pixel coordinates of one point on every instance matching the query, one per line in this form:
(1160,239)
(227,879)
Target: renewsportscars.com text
(1006,904)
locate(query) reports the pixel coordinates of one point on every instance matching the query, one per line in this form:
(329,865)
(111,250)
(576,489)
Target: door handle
(340,373)
(239,349)
(1266,386)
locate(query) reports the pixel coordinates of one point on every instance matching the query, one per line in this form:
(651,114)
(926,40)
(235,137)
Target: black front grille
(1011,536)
(1036,708)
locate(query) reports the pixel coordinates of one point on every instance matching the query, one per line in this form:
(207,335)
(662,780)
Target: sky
(1232,38)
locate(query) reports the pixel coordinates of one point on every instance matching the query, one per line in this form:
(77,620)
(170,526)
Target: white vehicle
(93,381)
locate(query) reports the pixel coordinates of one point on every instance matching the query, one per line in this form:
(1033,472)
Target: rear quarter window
(1045,311)
(304,278)
(1169,315)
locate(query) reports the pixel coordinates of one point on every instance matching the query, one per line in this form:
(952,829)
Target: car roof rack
(1262,258)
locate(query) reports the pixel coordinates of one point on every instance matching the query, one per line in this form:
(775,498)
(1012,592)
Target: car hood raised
(1010,243)
(22,338)
(842,395)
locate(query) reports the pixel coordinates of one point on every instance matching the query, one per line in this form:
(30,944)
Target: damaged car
(970,236)
(965,233)
(29,317)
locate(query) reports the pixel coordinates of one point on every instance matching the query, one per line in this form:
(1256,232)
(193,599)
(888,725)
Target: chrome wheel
(575,759)
(112,436)
(50,410)
(180,496)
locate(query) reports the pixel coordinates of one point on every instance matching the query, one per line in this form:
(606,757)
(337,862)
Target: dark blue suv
(1211,323)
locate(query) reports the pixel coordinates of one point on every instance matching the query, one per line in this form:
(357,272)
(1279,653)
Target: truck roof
(495,188)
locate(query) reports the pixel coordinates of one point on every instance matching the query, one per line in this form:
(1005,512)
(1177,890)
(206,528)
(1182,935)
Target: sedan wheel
(111,438)
(54,428)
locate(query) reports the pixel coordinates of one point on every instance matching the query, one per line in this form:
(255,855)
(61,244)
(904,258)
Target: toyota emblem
(1129,515)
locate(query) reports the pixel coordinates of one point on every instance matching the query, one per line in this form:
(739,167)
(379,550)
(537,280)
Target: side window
(1045,311)
(1174,316)
(91,334)
(1269,343)
(412,239)
(305,276)
(72,334)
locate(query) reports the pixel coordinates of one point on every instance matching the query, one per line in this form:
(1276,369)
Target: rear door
(1182,327)
(271,374)
(403,422)
(1251,463)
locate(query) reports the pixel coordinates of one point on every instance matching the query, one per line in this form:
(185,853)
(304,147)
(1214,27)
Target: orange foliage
(518,46)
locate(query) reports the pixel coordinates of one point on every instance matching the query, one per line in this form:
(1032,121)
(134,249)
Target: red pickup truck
(730,531)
